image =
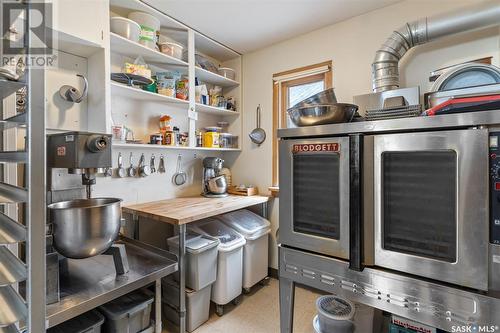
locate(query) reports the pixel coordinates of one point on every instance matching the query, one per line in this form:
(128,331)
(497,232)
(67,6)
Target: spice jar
(199,139)
(169,138)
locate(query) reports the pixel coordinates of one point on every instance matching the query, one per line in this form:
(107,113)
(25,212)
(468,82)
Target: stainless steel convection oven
(401,214)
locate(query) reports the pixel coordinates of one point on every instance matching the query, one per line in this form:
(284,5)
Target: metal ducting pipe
(385,71)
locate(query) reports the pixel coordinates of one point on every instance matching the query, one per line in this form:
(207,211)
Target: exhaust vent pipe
(385,67)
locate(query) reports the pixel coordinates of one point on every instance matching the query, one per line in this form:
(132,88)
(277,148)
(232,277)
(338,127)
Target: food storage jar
(172,49)
(226,140)
(149,27)
(211,137)
(126,28)
(227,72)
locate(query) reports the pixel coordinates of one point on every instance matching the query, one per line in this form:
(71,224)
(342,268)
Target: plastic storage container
(89,322)
(149,26)
(228,285)
(335,314)
(130,313)
(227,72)
(171,49)
(201,259)
(197,304)
(255,229)
(126,28)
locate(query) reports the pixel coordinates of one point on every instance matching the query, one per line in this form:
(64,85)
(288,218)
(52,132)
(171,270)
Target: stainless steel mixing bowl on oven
(84,228)
(322,114)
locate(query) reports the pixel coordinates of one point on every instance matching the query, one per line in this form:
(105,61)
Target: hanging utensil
(71,94)
(161,166)
(144,170)
(120,172)
(180,176)
(108,172)
(132,171)
(258,135)
(152,164)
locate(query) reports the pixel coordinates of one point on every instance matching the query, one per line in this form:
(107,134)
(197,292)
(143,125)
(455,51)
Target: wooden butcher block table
(181,211)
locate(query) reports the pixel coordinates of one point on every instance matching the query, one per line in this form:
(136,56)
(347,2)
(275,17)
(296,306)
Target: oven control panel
(495,187)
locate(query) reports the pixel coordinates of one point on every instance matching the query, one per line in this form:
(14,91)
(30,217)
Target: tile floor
(259,313)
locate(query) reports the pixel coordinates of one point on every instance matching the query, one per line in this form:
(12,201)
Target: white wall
(351,46)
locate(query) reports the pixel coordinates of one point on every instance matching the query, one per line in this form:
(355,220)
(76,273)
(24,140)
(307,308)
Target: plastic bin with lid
(201,259)
(228,285)
(130,313)
(197,304)
(89,322)
(255,229)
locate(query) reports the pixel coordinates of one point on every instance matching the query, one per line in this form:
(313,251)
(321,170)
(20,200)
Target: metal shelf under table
(92,282)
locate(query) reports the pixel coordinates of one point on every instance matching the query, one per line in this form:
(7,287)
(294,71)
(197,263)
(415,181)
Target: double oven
(426,203)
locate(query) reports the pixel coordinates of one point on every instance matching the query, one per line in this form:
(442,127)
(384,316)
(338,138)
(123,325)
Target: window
(289,88)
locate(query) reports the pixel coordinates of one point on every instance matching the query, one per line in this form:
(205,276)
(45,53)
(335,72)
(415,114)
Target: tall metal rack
(16,312)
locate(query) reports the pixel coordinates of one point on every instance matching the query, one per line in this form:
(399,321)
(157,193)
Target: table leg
(265,210)
(158,322)
(182,278)
(287,298)
(135,218)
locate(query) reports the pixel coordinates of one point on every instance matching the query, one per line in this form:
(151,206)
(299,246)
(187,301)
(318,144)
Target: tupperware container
(229,261)
(129,313)
(227,72)
(149,26)
(126,28)
(335,314)
(197,304)
(255,229)
(89,322)
(172,49)
(201,259)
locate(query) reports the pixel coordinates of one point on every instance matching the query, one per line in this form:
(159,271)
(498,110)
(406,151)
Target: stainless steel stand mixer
(214,185)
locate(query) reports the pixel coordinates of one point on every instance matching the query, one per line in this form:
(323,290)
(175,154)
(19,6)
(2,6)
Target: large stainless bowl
(322,114)
(324,97)
(84,228)
(218,185)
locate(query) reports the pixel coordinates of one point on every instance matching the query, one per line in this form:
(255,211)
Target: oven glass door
(314,195)
(431,205)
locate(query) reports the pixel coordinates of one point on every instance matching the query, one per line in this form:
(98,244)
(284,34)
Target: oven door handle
(356,248)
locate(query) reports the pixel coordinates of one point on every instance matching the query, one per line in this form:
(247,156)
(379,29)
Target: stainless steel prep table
(92,282)
(181,211)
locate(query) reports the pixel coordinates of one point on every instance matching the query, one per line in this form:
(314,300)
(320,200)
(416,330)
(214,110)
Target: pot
(84,228)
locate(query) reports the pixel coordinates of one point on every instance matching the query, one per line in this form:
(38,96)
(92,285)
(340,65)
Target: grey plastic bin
(89,322)
(197,304)
(201,259)
(130,313)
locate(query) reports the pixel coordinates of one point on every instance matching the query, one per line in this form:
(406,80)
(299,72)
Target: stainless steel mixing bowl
(218,185)
(324,97)
(322,114)
(84,228)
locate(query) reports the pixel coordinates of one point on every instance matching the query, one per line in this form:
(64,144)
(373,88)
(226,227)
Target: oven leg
(287,298)
(182,278)
(158,322)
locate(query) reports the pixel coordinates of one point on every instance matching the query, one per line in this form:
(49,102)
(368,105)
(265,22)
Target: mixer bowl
(218,185)
(322,114)
(84,228)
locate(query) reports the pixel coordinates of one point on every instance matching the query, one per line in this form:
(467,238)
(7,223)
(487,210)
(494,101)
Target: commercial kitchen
(305,166)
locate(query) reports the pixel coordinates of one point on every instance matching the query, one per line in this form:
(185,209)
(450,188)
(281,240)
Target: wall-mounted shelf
(163,147)
(132,50)
(206,76)
(215,110)
(122,90)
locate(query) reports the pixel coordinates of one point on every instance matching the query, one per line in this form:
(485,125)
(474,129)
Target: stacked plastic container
(89,322)
(228,285)
(255,229)
(201,272)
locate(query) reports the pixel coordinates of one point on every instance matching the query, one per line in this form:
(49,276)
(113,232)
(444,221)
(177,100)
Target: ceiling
(248,25)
